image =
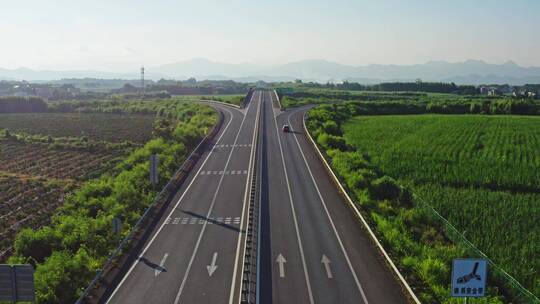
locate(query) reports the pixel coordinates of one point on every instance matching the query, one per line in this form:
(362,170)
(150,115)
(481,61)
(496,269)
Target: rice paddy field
(480,172)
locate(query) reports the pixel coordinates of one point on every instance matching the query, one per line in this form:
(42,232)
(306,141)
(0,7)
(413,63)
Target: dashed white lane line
(227,172)
(198,220)
(231,146)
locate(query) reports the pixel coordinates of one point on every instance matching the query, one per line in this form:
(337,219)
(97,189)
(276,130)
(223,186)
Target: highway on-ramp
(311,248)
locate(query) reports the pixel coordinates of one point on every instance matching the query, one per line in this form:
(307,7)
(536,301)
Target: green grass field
(479,172)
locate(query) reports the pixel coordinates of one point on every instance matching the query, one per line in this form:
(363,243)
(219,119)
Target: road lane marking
(172,210)
(281,262)
(196,249)
(224,172)
(159,270)
(236,146)
(344,251)
(212,267)
(297,230)
(198,220)
(326,262)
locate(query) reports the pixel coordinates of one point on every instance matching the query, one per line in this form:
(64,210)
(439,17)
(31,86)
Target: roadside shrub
(385,188)
(332,142)
(36,245)
(331,127)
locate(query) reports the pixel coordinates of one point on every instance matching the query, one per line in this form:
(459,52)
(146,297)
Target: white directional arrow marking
(326,262)
(159,270)
(281,262)
(212,267)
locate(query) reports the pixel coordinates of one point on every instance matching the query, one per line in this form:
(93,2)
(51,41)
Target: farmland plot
(480,172)
(105,127)
(35,176)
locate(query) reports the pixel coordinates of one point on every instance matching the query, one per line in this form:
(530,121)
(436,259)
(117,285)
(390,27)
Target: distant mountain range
(467,72)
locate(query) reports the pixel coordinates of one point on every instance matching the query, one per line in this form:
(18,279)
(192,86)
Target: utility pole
(142,81)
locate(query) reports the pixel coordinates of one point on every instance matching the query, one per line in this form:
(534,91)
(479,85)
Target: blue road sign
(469,277)
(17,283)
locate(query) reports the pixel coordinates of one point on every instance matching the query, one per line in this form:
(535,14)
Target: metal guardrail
(351,203)
(159,202)
(277,100)
(249,270)
(247,98)
(221,103)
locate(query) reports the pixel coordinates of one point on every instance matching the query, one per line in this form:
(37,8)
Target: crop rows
(34,179)
(102,127)
(35,176)
(480,172)
(39,160)
(25,203)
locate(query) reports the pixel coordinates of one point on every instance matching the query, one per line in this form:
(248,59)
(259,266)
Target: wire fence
(511,287)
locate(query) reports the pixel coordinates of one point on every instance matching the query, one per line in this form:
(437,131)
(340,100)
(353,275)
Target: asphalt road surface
(312,249)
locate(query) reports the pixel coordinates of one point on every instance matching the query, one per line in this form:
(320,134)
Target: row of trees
(418,86)
(489,106)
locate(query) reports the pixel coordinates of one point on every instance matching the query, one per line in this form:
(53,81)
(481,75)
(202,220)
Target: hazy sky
(123,34)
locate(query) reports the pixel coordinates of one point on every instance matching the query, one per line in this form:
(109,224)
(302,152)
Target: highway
(193,256)
(312,249)
(318,251)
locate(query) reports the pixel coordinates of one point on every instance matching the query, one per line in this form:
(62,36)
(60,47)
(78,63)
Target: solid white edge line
(172,211)
(246,195)
(177,299)
(351,268)
(360,216)
(294,215)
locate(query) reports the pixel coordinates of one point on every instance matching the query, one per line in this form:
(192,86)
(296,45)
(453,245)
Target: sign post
(117,227)
(154,172)
(469,277)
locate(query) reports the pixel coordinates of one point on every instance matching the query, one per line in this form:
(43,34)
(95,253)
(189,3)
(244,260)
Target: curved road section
(311,248)
(317,251)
